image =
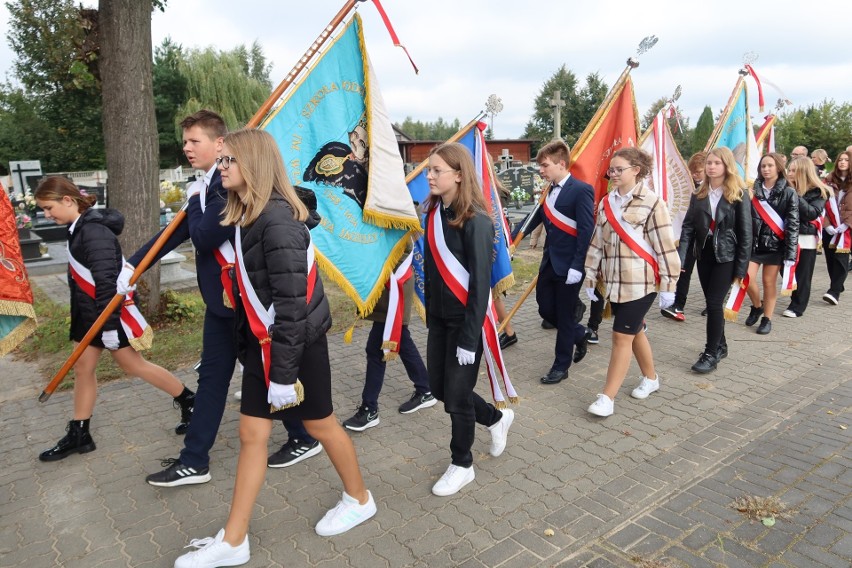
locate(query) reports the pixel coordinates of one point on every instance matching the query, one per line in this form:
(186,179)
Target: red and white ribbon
(560,221)
(634,240)
(137,330)
(261,318)
(457,279)
(774,221)
(735,299)
(224,255)
(842,241)
(392,333)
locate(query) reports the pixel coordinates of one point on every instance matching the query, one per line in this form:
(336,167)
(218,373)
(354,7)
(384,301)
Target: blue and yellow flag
(473,138)
(734,131)
(337,140)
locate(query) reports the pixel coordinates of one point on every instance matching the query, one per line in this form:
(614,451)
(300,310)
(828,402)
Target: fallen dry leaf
(548,532)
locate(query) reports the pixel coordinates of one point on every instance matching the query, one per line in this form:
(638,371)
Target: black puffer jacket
(811,205)
(732,238)
(785,201)
(275,254)
(473,246)
(94,244)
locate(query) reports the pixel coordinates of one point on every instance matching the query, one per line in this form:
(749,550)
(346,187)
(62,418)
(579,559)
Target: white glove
(831,230)
(666,299)
(789,262)
(282,395)
(842,228)
(574,276)
(110,339)
(464,356)
(122,284)
(590,294)
(194,189)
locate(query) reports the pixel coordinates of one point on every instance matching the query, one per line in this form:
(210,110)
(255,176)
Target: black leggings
(716,279)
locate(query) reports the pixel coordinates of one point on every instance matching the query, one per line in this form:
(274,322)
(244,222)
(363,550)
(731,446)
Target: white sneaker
(213,552)
(453,480)
(238,395)
(348,513)
(830,299)
(790,314)
(646,387)
(603,406)
(499,431)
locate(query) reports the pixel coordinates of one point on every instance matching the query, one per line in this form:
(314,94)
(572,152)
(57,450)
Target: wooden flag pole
(717,130)
(113,304)
(303,61)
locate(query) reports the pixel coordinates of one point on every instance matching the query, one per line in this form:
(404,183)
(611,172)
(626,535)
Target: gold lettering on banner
(353,220)
(317,98)
(295,169)
(296,143)
(362,238)
(327,225)
(332,196)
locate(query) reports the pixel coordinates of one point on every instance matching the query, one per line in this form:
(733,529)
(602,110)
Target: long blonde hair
(469,197)
(262,168)
(733,185)
(806,177)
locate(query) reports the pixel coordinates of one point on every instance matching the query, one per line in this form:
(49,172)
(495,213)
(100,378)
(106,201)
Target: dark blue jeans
(453,385)
(218,358)
(411,359)
(556,302)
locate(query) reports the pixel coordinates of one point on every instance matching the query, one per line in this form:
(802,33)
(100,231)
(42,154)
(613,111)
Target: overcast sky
(469,49)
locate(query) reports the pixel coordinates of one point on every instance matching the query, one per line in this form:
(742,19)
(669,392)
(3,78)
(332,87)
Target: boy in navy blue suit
(568,216)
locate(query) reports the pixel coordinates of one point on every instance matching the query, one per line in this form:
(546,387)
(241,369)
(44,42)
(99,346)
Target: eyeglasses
(617,171)
(225,161)
(435,172)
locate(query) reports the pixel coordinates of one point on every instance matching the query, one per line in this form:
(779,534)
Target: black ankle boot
(753,316)
(186,402)
(765,326)
(77,440)
(706,363)
(722,352)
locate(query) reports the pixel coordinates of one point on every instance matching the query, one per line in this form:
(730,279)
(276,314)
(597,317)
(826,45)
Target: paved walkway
(651,486)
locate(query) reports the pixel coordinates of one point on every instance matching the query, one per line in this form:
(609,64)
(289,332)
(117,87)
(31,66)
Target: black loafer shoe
(547,325)
(765,326)
(706,363)
(554,377)
(508,340)
(582,347)
(753,316)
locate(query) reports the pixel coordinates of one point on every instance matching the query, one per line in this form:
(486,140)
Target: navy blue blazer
(563,251)
(207,235)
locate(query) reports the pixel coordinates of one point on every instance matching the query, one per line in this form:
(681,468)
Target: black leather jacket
(472,246)
(811,205)
(732,236)
(785,201)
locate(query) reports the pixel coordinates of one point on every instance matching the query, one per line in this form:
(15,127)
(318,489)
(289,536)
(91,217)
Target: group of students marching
(251,233)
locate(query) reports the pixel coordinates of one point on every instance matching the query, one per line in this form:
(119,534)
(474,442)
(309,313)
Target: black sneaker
(292,452)
(177,474)
(508,340)
(416,402)
(753,315)
(593,336)
(364,418)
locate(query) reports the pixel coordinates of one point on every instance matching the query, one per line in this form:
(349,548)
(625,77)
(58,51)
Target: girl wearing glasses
(717,231)
(813,194)
(775,215)
(459,237)
(282,317)
(633,251)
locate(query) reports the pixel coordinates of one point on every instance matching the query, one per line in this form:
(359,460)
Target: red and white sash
(735,299)
(634,240)
(841,242)
(392,333)
(559,220)
(224,255)
(138,332)
(774,221)
(457,279)
(261,318)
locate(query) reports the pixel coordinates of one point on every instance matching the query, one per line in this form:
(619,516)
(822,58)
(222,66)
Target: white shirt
(554,191)
(74,224)
(202,194)
(619,202)
(715,195)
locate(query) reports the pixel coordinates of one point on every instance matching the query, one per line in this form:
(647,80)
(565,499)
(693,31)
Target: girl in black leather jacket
(717,229)
(775,199)
(813,194)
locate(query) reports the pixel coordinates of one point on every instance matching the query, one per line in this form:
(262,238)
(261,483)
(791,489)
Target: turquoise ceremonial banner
(337,140)
(736,133)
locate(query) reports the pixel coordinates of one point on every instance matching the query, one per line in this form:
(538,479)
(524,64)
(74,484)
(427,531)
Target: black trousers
(682,289)
(838,266)
(716,279)
(453,385)
(804,275)
(556,303)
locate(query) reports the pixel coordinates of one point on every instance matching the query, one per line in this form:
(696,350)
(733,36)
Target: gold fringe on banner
(17,335)
(144,341)
(730,315)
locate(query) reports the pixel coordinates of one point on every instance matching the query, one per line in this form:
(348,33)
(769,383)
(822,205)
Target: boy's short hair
(696,162)
(556,150)
(208,121)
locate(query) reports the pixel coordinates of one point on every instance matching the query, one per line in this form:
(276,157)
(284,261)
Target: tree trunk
(130,128)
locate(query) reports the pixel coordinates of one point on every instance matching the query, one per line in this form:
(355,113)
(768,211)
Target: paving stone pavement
(653,483)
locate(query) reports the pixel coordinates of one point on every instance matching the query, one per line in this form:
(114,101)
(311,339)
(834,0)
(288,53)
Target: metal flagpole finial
(646,44)
(749,57)
(677,93)
(493,106)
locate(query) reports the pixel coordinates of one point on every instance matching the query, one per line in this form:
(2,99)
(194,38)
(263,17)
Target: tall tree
(438,130)
(580,104)
(703,130)
(170,92)
(826,125)
(129,124)
(680,128)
